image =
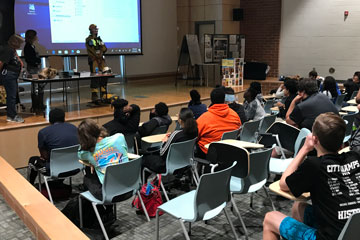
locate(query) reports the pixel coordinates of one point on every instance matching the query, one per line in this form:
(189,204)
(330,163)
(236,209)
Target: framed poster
(208,51)
(220,46)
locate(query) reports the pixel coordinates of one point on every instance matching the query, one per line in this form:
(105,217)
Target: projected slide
(62,25)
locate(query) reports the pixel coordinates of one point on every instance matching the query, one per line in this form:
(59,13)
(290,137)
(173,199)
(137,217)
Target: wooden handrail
(38,214)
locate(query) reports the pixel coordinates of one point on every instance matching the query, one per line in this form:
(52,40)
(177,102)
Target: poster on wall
(208,53)
(220,45)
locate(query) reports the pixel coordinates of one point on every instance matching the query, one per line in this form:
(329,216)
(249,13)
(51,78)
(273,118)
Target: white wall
(159,42)
(314,34)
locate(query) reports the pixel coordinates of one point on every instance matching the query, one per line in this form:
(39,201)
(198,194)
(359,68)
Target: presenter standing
(96,48)
(32,58)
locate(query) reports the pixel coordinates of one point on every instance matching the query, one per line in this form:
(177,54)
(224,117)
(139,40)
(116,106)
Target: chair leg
(268,195)
(189,229)
(157,225)
(48,189)
(184,229)
(193,173)
(143,206)
(70,181)
(39,179)
(239,216)
(80,212)
(115,212)
(100,221)
(163,189)
(231,224)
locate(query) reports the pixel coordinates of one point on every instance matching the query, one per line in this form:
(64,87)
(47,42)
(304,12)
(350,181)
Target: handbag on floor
(150,194)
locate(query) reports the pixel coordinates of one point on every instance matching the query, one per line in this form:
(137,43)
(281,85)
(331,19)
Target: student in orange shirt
(218,119)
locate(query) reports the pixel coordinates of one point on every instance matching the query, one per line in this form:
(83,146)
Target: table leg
(78,87)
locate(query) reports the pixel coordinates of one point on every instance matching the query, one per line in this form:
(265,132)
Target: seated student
(351,85)
(330,178)
(231,101)
(195,104)
(307,105)
(126,118)
(290,92)
(257,87)
(58,135)
(99,151)
(314,76)
(329,88)
(218,119)
(158,117)
(253,108)
(189,130)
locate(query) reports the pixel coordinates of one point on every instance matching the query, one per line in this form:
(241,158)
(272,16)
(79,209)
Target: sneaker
(16,119)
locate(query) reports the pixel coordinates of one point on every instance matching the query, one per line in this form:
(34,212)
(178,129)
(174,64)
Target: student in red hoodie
(218,119)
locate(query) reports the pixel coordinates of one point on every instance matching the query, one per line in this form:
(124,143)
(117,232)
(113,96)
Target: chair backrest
(266,122)
(120,179)
(300,139)
(287,135)
(64,160)
(160,130)
(259,169)
(353,95)
(351,228)
(179,155)
(212,193)
(339,101)
(249,131)
(225,155)
(350,121)
(130,142)
(230,135)
(268,105)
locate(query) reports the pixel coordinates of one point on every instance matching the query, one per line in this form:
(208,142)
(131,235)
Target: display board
(233,72)
(190,51)
(223,46)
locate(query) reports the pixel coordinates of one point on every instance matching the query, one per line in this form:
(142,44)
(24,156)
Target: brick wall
(261,25)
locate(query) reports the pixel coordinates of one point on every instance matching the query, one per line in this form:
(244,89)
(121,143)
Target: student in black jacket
(126,118)
(158,117)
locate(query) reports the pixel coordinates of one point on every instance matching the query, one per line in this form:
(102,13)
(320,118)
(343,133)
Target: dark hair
(89,132)
(190,124)
(30,36)
(309,86)
(256,86)
(330,129)
(357,73)
(217,96)
(229,91)
(330,85)
(56,115)
(119,103)
(250,93)
(161,109)
(195,97)
(291,85)
(313,74)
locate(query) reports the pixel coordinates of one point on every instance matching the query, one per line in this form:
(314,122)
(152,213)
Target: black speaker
(238,14)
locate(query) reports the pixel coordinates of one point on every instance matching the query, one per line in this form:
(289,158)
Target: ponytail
(190,124)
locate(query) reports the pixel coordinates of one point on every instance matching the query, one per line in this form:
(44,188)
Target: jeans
(10,84)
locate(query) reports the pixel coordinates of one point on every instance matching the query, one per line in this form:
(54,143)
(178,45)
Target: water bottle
(96,70)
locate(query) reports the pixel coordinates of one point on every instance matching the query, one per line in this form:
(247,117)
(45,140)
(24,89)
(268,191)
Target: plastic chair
(349,119)
(64,162)
(339,101)
(119,179)
(130,142)
(282,134)
(258,172)
(180,155)
(351,228)
(206,202)
(266,122)
(249,131)
(268,105)
(230,135)
(279,165)
(353,95)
